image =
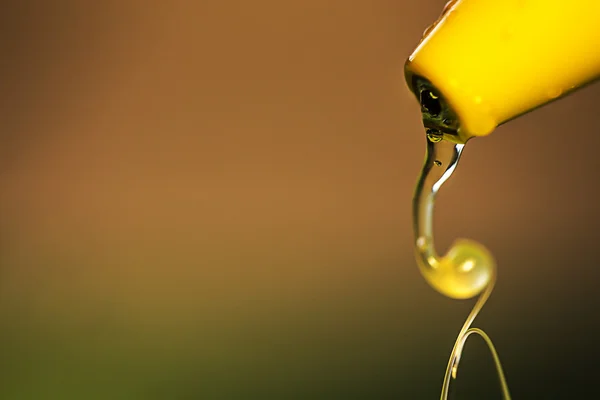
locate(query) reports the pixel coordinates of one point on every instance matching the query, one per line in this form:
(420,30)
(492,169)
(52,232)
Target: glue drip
(467,269)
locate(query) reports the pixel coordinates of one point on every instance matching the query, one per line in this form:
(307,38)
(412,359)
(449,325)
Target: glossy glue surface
(467,269)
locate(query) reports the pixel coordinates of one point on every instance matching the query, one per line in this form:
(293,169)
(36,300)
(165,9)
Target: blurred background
(212,200)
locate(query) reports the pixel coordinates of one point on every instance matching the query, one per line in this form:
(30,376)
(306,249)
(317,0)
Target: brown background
(211,200)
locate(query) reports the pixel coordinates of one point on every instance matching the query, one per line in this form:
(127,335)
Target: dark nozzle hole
(430,103)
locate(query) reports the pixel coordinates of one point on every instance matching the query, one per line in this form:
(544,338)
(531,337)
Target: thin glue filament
(467,269)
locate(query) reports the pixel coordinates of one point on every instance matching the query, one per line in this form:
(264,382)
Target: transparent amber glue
(467,269)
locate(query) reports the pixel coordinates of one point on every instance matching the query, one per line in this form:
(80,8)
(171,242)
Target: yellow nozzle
(489,61)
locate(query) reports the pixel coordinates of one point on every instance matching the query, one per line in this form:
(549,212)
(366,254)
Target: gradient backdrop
(211,200)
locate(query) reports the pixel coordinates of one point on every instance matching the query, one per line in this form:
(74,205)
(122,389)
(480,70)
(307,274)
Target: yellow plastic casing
(493,60)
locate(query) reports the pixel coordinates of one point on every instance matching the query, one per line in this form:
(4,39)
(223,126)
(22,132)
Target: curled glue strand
(465,332)
(466,270)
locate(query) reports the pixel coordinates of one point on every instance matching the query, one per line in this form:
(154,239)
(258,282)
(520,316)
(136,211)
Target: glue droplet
(554,93)
(434,135)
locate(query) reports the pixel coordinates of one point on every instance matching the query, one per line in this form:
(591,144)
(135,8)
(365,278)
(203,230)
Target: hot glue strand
(466,270)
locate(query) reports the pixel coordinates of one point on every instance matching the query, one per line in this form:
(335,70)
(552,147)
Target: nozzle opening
(437,114)
(430,102)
